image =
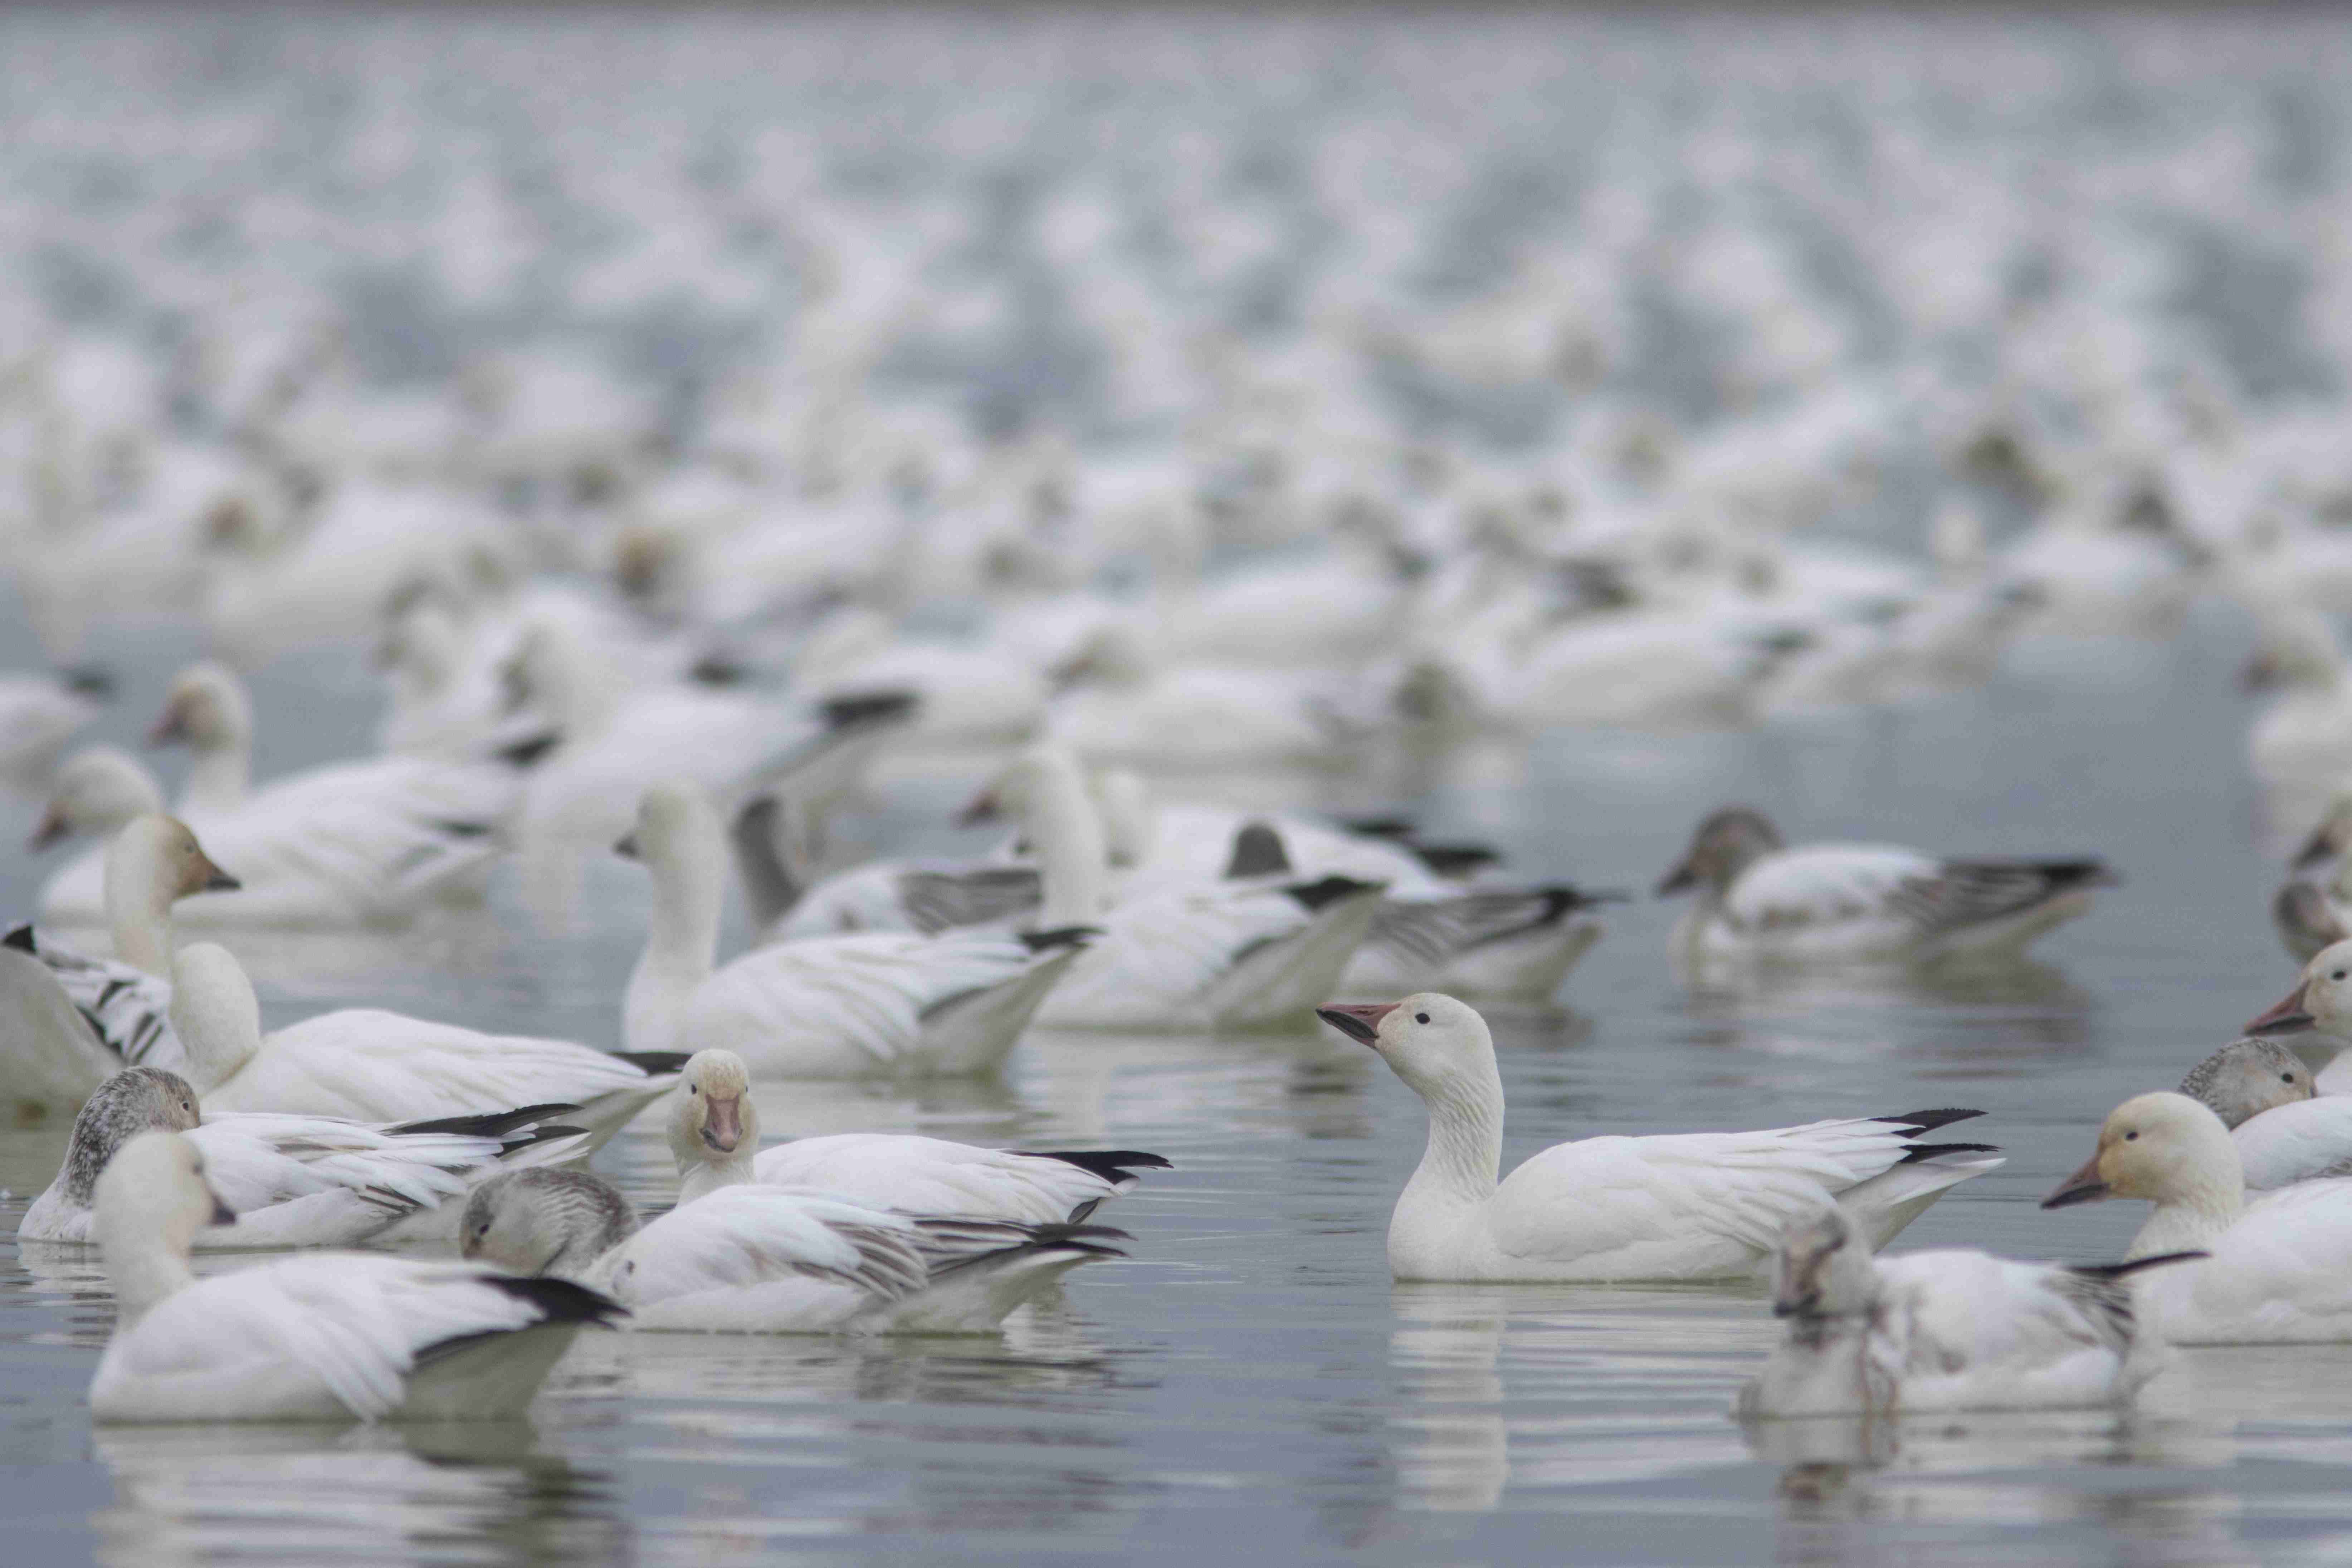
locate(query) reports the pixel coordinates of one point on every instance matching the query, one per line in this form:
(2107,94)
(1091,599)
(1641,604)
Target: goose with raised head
(2278,1268)
(878,1004)
(751,1259)
(1696,1206)
(2315,1018)
(380,840)
(2263,1094)
(331,1336)
(714,1135)
(375,1066)
(1759,899)
(294,1180)
(1258,954)
(1947,1330)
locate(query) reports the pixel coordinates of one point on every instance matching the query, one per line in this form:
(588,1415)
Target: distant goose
(1941,1331)
(878,1004)
(373,1065)
(335,1336)
(1699,1205)
(294,1180)
(714,1135)
(2263,1094)
(39,714)
(2278,1267)
(754,1258)
(1759,899)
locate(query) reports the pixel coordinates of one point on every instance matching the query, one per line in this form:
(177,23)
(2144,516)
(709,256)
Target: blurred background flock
(1533,430)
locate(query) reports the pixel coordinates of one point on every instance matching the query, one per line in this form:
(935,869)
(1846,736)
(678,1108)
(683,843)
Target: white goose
(375,1066)
(2317,1015)
(333,1336)
(848,1006)
(1255,955)
(2263,1093)
(1698,1205)
(1830,902)
(37,716)
(294,1180)
(1941,1331)
(763,1259)
(2280,1270)
(714,1134)
(356,842)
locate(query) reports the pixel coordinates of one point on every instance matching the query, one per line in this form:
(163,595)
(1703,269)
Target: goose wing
(373,1065)
(740,1237)
(932,1177)
(869,992)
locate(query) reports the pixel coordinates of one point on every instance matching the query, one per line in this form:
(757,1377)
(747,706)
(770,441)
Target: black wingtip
(2124,1270)
(1920,1122)
(1110,1164)
(656,1063)
(1454,860)
(1062,936)
(21,938)
(1379,827)
(1257,852)
(88,680)
(559,1300)
(491,1125)
(528,752)
(1314,896)
(1918,1151)
(866,707)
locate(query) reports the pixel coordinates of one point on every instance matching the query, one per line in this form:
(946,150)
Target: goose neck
(1465,1154)
(139,912)
(146,1273)
(698,1178)
(1071,853)
(2193,1218)
(220,775)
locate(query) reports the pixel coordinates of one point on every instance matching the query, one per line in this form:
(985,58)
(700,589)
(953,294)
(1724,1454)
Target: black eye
(2286,1077)
(1420,1018)
(692,1089)
(2337,976)
(2131,1137)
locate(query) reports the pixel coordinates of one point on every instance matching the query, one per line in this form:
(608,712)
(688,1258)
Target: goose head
(544,1221)
(155,1188)
(206,708)
(2246,1078)
(1437,1045)
(1035,780)
(711,1118)
(155,861)
(678,837)
(1726,843)
(2296,649)
(96,790)
(134,1101)
(2164,1147)
(2319,1002)
(1822,1270)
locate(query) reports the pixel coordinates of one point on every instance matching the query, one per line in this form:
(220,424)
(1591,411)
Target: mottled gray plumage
(575,1218)
(134,1101)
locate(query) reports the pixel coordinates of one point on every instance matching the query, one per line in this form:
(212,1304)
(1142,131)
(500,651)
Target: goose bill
(1359,1021)
(722,1124)
(2291,1016)
(2084,1186)
(52,827)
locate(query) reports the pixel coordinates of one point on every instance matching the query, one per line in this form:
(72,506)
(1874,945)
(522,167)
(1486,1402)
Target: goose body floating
(1946,1330)
(2279,1269)
(293,1181)
(331,1336)
(1758,899)
(1698,1205)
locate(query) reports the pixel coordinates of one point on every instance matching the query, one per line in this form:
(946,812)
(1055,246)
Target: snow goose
(2280,1270)
(294,1180)
(37,716)
(1947,1330)
(1227,955)
(1120,701)
(1698,1206)
(1759,900)
(375,1066)
(2263,1094)
(845,1006)
(334,1336)
(714,1134)
(367,841)
(2316,1016)
(2310,917)
(763,1259)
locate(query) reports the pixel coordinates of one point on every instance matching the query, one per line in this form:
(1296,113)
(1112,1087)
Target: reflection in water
(457,1492)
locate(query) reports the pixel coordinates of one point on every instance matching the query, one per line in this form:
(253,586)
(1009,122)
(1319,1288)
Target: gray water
(1249,1385)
